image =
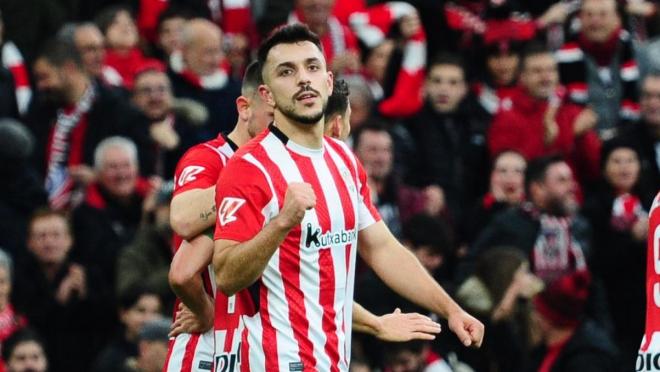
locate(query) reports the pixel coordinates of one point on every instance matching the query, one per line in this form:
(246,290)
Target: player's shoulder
(343,150)
(211,150)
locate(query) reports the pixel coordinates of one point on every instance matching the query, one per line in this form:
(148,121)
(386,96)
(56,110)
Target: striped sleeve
(245,200)
(367,212)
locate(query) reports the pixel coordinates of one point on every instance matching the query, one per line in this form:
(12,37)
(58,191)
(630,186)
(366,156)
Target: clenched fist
(299,198)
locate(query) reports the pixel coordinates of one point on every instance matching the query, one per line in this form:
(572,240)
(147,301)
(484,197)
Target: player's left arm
(402,272)
(186,282)
(394,327)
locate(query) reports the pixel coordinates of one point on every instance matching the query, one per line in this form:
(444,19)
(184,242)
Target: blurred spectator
(24,352)
(493,21)
(361,100)
(137,307)
(121,39)
(395,201)
(111,213)
(170,133)
(507,189)
(395,66)
(10,321)
(547,228)
(413,356)
(500,75)
(339,42)
(73,114)
(569,342)
(536,122)
(25,193)
(430,241)
(65,301)
(12,60)
(147,259)
(90,43)
(30,23)
(169,38)
(599,69)
(450,137)
(618,211)
(152,345)
(199,72)
(8,107)
(646,135)
(500,293)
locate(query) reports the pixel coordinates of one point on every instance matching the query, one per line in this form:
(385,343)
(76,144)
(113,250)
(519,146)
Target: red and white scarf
(12,60)
(555,252)
(626,210)
(217,80)
(59,183)
(372,25)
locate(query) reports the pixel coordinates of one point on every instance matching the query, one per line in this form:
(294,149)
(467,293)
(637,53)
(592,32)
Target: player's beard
(290,110)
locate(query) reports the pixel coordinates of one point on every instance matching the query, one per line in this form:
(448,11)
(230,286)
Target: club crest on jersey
(188,174)
(314,236)
(228,208)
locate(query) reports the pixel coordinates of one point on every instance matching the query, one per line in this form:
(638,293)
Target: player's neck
(239,136)
(307,135)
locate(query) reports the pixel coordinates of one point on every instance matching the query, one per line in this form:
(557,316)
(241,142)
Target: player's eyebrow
(293,65)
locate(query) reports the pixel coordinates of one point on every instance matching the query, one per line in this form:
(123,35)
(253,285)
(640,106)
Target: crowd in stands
(513,146)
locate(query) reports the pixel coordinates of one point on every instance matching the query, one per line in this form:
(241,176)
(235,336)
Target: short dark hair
(20,337)
(251,79)
(374,125)
(171,12)
(532,49)
(107,16)
(424,230)
(129,297)
(46,212)
(538,168)
(58,52)
(447,58)
(287,34)
(338,100)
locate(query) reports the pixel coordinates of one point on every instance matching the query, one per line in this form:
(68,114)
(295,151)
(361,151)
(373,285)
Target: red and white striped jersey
(199,168)
(305,295)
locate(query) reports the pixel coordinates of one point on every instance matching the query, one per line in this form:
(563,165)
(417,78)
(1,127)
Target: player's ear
(330,82)
(243,107)
(266,95)
(336,126)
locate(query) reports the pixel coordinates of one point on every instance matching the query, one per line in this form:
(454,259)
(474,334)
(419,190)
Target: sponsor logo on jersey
(341,237)
(188,174)
(228,362)
(228,208)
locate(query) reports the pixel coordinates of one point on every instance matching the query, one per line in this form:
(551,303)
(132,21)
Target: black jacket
(73,332)
(619,261)
(452,153)
(220,104)
(110,115)
(588,350)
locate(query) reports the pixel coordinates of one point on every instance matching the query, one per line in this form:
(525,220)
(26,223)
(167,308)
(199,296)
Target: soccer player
(292,205)
(193,212)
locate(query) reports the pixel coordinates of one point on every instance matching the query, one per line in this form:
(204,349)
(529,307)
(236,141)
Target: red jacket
(518,126)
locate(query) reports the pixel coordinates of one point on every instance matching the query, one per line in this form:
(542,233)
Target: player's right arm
(238,264)
(192,209)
